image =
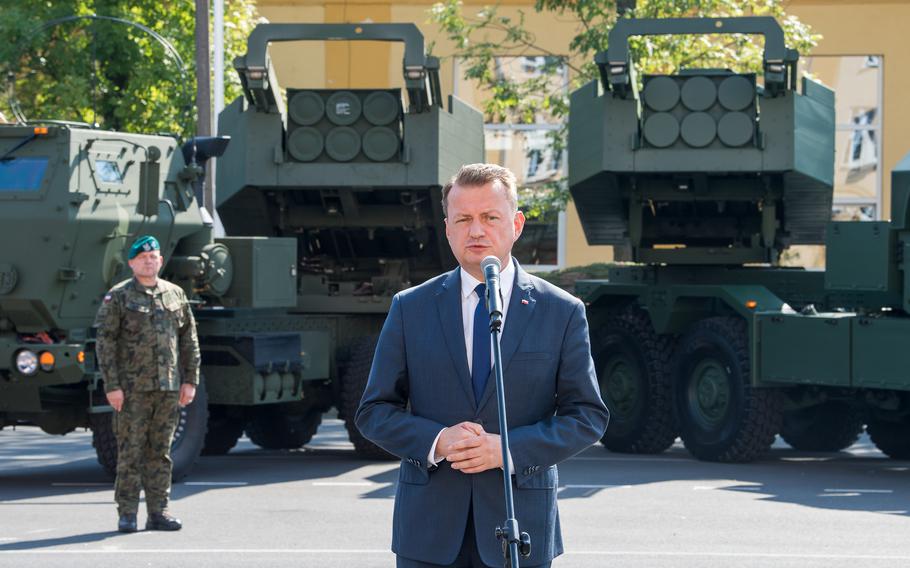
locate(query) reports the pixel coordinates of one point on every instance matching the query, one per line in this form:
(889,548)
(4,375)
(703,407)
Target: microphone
(490,267)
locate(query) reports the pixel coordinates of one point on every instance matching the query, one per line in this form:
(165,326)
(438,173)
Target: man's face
(481,222)
(146,264)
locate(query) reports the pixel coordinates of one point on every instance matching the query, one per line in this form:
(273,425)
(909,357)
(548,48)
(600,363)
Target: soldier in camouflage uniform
(148,355)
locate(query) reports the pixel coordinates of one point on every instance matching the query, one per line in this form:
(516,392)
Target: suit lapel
(518,317)
(448,304)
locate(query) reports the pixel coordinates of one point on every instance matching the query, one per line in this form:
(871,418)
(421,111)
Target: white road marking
(610,458)
(36,457)
(39,531)
(373,484)
(727,487)
(607,553)
(217,483)
(859,491)
(803,555)
(111,550)
(8,538)
(87,484)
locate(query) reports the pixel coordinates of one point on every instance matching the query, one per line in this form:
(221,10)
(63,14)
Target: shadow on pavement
(35,465)
(59,541)
(859,479)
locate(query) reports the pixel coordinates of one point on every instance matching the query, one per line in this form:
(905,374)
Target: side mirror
(201,148)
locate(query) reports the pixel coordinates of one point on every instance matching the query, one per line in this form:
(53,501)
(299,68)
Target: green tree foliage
(481,37)
(106,73)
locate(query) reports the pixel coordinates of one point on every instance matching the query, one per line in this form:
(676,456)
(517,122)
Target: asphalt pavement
(322,507)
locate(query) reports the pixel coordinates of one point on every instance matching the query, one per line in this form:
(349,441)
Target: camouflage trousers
(145,427)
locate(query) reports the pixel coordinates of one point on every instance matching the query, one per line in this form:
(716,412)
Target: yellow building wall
(299,64)
(847,27)
(870,28)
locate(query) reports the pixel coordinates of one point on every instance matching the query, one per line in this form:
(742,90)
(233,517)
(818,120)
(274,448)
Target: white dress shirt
(469,302)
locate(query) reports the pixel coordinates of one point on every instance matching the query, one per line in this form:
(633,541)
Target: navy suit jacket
(419,384)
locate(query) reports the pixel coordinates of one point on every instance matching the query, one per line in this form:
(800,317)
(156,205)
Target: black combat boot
(162,522)
(127,523)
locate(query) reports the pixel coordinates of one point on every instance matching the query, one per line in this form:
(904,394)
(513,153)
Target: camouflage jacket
(146,338)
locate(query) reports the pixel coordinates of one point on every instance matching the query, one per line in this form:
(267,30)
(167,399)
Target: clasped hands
(469,448)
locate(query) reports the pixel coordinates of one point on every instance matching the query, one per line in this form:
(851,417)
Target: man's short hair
(474,175)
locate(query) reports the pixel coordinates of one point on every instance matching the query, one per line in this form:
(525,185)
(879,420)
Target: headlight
(27,362)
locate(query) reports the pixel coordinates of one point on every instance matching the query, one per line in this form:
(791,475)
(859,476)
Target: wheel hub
(622,384)
(710,392)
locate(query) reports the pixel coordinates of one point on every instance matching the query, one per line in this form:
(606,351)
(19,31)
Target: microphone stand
(513,541)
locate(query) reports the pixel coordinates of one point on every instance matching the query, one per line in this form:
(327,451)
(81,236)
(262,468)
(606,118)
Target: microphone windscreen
(490,261)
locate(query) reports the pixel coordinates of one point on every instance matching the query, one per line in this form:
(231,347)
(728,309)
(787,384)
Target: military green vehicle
(355,178)
(73,199)
(289,304)
(702,179)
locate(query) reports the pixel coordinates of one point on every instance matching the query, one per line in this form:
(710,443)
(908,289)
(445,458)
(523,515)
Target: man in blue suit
(431,399)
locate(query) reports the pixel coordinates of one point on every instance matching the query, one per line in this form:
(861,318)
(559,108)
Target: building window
(526,149)
(857,82)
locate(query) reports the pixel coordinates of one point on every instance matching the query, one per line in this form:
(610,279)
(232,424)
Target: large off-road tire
(892,438)
(827,427)
(190,434)
(353,383)
(721,416)
(185,448)
(104,440)
(634,371)
(224,429)
(285,426)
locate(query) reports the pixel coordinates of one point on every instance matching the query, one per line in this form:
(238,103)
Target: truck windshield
(22,174)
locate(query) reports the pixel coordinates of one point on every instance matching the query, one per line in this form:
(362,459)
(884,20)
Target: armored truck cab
(702,179)
(354,176)
(73,199)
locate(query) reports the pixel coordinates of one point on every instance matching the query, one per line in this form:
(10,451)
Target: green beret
(143,244)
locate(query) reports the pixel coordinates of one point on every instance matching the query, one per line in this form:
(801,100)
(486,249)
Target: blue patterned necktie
(480,359)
